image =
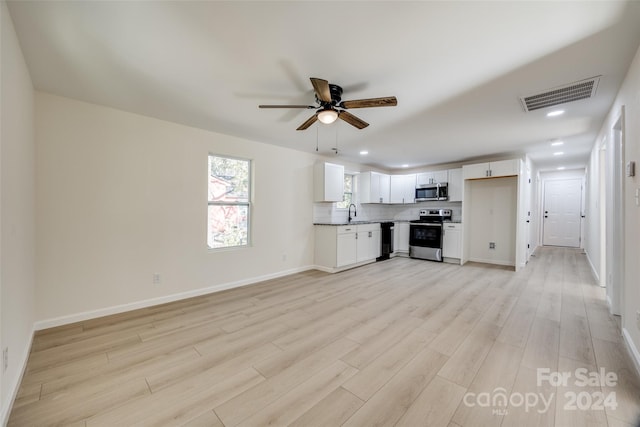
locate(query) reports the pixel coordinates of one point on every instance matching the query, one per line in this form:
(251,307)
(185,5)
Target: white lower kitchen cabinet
(338,247)
(346,248)
(401,238)
(452,242)
(368,242)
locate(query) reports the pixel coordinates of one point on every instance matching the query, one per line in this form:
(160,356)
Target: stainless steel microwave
(427,192)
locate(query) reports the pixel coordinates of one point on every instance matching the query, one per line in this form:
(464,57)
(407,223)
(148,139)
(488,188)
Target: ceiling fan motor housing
(336,94)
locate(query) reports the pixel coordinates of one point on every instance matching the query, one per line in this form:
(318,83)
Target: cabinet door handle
(370,234)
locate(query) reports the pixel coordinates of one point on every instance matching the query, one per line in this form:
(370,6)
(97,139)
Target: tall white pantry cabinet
(473,208)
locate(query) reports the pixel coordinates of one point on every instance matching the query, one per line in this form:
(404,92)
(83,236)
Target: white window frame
(353,183)
(248,203)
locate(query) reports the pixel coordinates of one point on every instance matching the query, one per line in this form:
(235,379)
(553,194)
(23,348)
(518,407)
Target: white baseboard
(633,350)
(101,312)
(8,400)
(492,261)
(593,269)
(322,268)
(339,269)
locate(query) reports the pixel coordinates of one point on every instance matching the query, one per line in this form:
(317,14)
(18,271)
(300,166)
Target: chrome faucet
(355,213)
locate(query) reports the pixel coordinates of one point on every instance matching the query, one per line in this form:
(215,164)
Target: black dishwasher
(386,240)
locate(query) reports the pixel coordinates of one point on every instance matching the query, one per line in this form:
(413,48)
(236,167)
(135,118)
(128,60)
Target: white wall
(534,205)
(594,206)
(629,97)
(123,196)
(17,210)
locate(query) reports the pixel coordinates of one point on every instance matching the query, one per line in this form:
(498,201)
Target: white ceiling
(457,69)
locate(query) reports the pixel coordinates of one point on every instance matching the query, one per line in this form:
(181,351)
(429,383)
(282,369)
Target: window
(229,202)
(347,198)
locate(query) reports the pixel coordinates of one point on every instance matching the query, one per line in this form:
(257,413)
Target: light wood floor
(400,342)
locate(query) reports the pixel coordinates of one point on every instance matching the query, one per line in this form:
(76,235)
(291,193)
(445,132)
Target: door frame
(614,232)
(560,177)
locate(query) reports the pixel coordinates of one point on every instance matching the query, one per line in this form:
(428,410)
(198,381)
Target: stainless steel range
(425,234)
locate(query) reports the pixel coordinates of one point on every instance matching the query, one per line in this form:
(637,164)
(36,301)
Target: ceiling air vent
(572,92)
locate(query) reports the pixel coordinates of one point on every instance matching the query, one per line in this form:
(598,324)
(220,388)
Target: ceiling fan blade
(311,120)
(352,120)
(322,89)
(288,106)
(387,101)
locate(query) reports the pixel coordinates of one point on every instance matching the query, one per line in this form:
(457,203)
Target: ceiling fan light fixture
(328,116)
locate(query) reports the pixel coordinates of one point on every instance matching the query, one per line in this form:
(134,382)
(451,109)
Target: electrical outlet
(156,278)
(492,245)
(638,319)
(5,359)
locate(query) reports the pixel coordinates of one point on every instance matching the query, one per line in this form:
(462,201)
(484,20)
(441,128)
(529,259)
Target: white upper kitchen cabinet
(403,189)
(328,182)
(455,185)
(491,169)
(373,187)
(433,177)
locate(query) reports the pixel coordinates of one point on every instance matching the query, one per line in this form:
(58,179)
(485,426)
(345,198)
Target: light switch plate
(631,168)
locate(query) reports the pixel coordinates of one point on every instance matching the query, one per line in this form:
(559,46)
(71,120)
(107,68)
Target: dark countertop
(360,222)
(375,222)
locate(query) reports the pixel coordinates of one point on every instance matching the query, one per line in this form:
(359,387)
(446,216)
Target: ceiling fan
(330,106)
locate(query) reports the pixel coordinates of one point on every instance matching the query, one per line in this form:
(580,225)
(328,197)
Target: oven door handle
(431,224)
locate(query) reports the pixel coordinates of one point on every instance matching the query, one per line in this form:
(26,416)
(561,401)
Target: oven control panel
(435,212)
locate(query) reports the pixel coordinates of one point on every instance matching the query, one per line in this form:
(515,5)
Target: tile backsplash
(328,213)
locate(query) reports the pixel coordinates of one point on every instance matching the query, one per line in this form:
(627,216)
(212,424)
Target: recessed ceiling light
(555,113)
(558,153)
(561,168)
(556,143)
(405,166)
(364,152)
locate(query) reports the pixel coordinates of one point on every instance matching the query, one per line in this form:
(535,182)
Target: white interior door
(562,210)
